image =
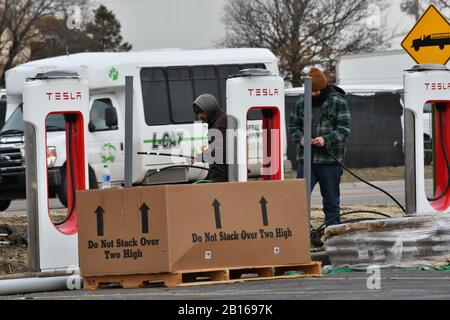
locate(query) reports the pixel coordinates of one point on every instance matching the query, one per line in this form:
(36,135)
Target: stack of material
(410,241)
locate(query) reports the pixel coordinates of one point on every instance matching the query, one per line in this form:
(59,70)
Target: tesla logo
(64,96)
(434,86)
(264,92)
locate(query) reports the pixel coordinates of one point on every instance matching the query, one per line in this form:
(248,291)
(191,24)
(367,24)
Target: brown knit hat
(319,79)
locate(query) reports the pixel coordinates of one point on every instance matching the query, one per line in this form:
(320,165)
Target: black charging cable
(441,107)
(366,182)
(161,154)
(323,226)
(185,167)
(70,119)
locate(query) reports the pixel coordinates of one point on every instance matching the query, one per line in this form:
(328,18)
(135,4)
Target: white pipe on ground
(34,285)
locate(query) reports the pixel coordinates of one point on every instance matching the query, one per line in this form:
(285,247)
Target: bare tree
(412,7)
(303,32)
(19,18)
(416,8)
(4,9)
(56,39)
(442,3)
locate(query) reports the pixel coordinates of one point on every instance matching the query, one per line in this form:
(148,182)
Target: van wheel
(62,192)
(4,204)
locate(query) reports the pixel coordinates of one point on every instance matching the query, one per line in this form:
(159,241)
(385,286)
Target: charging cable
(70,119)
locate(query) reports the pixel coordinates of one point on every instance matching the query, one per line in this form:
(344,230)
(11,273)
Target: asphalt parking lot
(395,284)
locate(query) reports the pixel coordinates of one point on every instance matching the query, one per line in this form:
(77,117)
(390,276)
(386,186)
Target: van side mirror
(111,117)
(91,126)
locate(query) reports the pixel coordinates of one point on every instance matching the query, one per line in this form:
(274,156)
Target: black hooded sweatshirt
(217,121)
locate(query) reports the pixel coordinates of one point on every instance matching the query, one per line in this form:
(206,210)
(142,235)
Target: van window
(229,70)
(98,115)
(14,125)
(168,93)
(224,73)
(181,94)
(56,122)
(155,96)
(205,81)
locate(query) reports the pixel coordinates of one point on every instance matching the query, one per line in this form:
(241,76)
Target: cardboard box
(192,227)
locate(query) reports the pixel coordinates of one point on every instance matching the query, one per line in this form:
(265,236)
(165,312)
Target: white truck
(165,85)
(379,69)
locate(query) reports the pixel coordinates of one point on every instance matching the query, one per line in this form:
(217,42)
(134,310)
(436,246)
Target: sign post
(428,43)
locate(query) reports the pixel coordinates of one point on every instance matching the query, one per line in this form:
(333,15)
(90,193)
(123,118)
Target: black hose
(345,222)
(186,167)
(324,225)
(69,167)
(159,154)
(366,182)
(447,162)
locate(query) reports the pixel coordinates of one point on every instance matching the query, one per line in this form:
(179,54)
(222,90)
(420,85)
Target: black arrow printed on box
(144,218)
(265,216)
(216,206)
(100,226)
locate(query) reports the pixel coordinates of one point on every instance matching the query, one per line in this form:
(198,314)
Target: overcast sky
(195,24)
(156,24)
(399,21)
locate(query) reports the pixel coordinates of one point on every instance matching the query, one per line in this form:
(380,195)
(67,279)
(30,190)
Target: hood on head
(208,103)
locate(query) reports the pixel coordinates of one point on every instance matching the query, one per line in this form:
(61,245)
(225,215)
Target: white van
(165,85)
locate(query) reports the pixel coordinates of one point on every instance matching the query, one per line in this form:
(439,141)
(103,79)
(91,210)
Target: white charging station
(255,89)
(427,84)
(54,246)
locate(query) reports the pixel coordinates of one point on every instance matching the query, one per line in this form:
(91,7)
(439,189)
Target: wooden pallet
(204,277)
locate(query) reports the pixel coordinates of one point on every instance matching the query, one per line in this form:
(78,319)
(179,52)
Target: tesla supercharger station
(427,85)
(255,90)
(53,246)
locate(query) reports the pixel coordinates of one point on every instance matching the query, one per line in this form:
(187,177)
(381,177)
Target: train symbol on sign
(433,40)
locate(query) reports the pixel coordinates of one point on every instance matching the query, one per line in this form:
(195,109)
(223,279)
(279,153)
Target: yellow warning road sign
(429,40)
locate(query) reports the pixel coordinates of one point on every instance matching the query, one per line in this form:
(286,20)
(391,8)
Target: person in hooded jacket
(207,110)
(331,125)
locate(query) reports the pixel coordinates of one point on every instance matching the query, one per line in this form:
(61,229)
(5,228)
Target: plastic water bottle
(106,178)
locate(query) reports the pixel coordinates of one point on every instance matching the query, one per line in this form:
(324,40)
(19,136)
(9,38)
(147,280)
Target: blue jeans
(329,178)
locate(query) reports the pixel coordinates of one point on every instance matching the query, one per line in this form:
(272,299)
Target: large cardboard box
(192,227)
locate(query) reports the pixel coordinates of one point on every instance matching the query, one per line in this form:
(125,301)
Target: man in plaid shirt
(330,128)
